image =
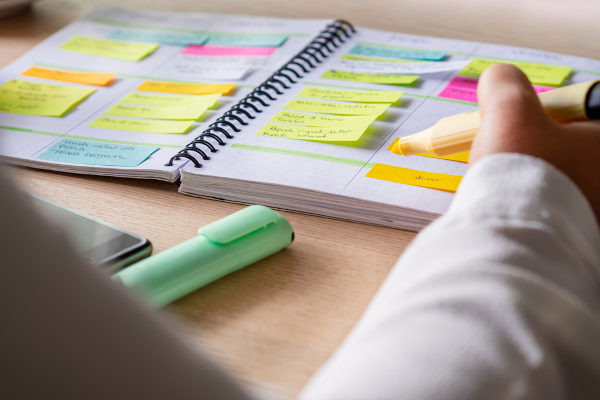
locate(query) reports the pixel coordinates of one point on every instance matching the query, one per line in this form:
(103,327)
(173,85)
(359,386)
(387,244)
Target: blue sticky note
(247,40)
(74,151)
(168,38)
(386,52)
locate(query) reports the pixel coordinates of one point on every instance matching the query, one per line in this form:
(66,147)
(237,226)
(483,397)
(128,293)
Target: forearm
(494,300)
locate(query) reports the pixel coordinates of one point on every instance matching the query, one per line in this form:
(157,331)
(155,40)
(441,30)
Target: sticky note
(228,51)
(23,97)
(383,79)
(171,113)
(433,180)
(138,125)
(168,38)
(397,52)
(324,121)
(130,51)
(346,134)
(85,78)
(169,100)
(327,107)
(361,96)
(460,157)
(465,89)
(251,40)
(364,58)
(74,151)
(541,74)
(187,88)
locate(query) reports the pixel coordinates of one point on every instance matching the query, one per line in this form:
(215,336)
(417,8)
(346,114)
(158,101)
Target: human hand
(513,121)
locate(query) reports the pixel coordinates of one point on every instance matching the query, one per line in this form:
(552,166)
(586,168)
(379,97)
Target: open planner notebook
(297,114)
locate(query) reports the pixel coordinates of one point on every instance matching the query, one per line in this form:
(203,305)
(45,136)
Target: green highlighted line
(12,128)
(157,28)
(339,160)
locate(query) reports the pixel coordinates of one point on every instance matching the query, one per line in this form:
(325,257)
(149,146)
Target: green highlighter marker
(220,248)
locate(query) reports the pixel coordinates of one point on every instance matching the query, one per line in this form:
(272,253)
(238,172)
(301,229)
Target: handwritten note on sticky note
(415,68)
(541,74)
(382,79)
(171,113)
(251,40)
(23,97)
(346,134)
(168,38)
(85,78)
(138,125)
(130,51)
(364,58)
(397,52)
(465,89)
(361,96)
(324,121)
(208,50)
(327,107)
(460,157)
(187,88)
(169,100)
(74,151)
(433,180)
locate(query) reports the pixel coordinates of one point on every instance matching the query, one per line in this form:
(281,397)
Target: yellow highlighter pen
(455,134)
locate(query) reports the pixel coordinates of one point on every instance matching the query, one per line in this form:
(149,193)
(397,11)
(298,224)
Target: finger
(507,100)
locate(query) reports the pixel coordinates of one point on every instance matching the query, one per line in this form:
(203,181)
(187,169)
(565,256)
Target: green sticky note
(147,99)
(130,51)
(324,121)
(361,96)
(169,38)
(539,74)
(173,113)
(345,134)
(364,58)
(23,97)
(138,125)
(383,79)
(73,151)
(397,52)
(327,107)
(248,40)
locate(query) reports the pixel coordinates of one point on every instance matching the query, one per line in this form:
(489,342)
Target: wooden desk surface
(273,324)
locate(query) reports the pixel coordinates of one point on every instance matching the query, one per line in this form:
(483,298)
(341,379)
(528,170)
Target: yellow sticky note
(138,125)
(387,60)
(187,88)
(346,134)
(433,180)
(147,99)
(383,79)
(327,107)
(460,157)
(361,96)
(325,121)
(86,78)
(130,51)
(23,97)
(173,113)
(539,74)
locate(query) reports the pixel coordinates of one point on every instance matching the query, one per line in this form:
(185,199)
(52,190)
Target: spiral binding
(224,127)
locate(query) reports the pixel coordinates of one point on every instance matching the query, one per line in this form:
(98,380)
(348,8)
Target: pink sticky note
(465,89)
(221,51)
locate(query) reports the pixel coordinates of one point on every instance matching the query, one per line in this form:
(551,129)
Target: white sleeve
(498,299)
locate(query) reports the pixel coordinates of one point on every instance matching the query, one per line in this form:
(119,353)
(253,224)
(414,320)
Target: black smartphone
(104,245)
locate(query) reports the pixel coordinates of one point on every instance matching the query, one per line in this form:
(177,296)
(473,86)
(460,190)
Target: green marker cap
(220,248)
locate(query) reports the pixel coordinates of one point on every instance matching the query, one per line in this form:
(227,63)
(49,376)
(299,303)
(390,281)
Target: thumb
(511,113)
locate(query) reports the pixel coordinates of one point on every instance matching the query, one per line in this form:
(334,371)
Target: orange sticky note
(460,157)
(187,88)
(432,180)
(86,78)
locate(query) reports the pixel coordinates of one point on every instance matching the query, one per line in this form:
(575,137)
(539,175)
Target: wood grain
(274,323)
